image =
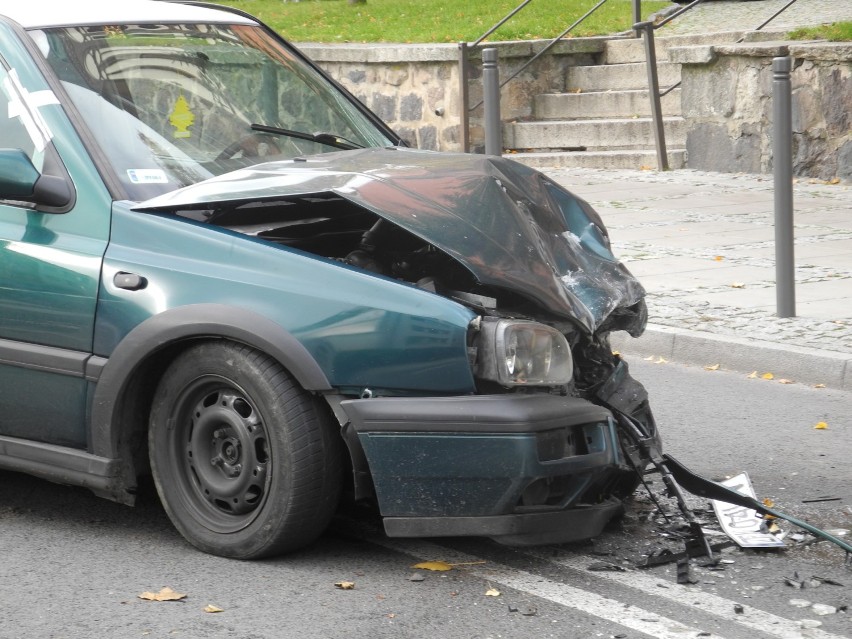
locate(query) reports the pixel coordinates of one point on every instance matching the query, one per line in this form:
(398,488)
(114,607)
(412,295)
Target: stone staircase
(604,119)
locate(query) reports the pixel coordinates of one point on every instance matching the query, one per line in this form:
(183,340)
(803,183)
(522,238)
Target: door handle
(129,281)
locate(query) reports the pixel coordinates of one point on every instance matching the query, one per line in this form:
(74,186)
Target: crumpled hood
(506,223)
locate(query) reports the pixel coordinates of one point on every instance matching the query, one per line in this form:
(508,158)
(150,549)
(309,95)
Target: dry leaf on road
(767,376)
(433,565)
(211,608)
(821,426)
(714,367)
(166,594)
(345,585)
(492,592)
(737,285)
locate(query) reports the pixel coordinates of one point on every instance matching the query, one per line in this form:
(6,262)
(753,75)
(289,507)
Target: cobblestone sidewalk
(703,246)
(737,15)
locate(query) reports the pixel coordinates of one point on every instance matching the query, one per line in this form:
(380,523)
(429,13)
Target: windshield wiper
(322,137)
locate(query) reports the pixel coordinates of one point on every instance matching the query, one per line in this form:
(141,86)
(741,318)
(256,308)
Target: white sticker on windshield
(147,176)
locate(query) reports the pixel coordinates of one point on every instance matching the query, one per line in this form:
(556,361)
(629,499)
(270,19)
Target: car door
(50,261)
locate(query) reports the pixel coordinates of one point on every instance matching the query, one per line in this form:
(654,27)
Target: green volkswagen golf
(219,269)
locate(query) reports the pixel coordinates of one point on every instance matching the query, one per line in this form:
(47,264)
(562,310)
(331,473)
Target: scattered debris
(213,609)
(417,576)
(818,499)
(713,367)
(826,580)
(603,566)
(809,623)
(684,572)
(739,609)
(821,426)
(823,609)
(166,594)
(492,592)
(794,581)
(345,585)
(800,603)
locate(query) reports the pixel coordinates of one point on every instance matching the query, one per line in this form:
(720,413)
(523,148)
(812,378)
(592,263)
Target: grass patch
(835,32)
(438,20)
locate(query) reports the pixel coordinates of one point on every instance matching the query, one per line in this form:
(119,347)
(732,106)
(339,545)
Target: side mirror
(20,180)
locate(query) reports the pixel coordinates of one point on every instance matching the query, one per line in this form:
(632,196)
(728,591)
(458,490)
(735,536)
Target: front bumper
(522,469)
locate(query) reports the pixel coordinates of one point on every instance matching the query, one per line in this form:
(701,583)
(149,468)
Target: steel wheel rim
(220,454)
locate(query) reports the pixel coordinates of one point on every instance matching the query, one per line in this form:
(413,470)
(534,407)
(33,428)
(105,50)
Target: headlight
(516,352)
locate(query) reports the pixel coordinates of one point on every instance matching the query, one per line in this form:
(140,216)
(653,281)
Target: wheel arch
(127,381)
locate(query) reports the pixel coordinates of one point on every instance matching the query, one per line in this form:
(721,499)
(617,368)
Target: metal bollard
(782,168)
(491,98)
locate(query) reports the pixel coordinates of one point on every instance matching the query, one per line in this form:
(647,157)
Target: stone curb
(802,365)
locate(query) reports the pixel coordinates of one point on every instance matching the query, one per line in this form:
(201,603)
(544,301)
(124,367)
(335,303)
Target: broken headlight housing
(523,353)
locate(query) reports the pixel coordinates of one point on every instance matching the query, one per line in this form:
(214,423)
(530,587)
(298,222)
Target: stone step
(602,104)
(641,159)
(624,50)
(606,77)
(591,135)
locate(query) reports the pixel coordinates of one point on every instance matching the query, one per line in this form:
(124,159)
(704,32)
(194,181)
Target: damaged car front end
(531,451)
(222,269)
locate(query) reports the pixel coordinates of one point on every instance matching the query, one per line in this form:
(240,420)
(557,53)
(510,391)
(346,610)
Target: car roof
(38,14)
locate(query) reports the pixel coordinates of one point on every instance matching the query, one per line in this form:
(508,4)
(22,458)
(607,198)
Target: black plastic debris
(603,566)
(684,572)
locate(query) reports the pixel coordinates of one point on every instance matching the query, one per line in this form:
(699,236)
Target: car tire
(246,463)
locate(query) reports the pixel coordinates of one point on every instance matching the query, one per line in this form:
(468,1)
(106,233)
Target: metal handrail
(647,29)
(464,65)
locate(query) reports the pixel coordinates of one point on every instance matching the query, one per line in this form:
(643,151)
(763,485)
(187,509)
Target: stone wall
(727,103)
(415,88)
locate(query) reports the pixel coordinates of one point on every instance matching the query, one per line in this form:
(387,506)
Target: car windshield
(174,104)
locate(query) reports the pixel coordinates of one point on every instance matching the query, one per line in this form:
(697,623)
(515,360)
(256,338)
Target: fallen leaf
(345,585)
(616,353)
(492,592)
(786,381)
(166,594)
(211,608)
(714,367)
(737,285)
(768,503)
(834,180)
(821,426)
(390,615)
(661,361)
(718,258)
(767,376)
(753,375)
(819,385)
(433,565)
(649,359)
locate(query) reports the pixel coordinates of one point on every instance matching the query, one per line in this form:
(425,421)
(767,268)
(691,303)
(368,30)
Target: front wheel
(246,463)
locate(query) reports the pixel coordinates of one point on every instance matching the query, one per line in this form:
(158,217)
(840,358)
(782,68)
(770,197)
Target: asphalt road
(73,565)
